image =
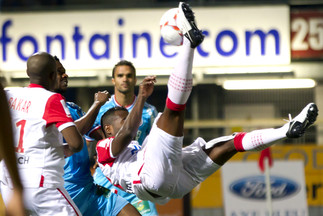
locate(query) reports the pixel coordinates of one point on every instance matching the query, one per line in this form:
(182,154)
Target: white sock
(259,139)
(181,80)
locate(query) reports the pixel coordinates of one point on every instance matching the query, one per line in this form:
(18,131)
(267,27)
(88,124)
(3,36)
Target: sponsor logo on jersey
(23,160)
(135,148)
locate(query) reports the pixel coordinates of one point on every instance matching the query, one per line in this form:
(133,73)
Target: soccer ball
(169,29)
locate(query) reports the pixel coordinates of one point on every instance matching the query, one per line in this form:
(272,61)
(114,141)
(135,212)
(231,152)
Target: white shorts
(197,166)
(45,201)
(169,170)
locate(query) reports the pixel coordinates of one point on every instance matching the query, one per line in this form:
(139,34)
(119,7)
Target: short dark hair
(107,117)
(56,58)
(122,63)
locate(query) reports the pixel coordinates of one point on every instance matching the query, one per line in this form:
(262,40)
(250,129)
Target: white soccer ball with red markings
(169,29)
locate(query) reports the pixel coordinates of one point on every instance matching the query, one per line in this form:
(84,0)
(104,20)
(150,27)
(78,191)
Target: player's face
(119,121)
(62,82)
(53,79)
(124,80)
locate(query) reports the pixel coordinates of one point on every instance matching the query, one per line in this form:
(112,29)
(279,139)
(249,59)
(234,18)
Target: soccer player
(90,198)
(124,81)
(162,169)
(15,204)
(40,118)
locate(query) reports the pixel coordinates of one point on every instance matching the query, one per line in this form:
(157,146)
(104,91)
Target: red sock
(238,141)
(172,106)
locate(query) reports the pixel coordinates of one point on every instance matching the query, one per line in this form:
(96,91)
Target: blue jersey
(77,166)
(146,208)
(89,198)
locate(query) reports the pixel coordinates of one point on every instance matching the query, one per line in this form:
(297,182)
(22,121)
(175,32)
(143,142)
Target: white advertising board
(90,40)
(244,189)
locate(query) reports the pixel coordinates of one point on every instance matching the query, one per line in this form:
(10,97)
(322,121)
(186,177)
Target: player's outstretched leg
(223,148)
(261,139)
(180,80)
(188,25)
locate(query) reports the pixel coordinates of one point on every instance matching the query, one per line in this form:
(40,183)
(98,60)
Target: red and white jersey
(122,170)
(38,116)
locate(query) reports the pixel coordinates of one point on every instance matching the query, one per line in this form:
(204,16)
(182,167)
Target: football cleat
(302,121)
(188,25)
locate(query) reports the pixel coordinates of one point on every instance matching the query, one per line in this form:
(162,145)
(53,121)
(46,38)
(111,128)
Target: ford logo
(254,187)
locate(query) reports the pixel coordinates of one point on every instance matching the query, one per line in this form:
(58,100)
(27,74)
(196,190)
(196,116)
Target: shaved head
(41,69)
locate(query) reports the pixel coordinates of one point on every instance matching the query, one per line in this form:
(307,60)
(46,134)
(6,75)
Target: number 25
(309,34)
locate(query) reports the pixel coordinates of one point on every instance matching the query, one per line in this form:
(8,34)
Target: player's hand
(67,151)
(146,87)
(102,97)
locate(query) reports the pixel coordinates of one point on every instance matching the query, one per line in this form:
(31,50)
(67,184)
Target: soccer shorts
(169,170)
(45,201)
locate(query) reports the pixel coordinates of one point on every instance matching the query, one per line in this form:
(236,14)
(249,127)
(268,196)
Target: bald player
(38,117)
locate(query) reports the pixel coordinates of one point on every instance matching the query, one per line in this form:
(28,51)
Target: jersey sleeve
(56,112)
(104,155)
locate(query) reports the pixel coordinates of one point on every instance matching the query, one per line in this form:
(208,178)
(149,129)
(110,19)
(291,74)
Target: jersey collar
(33,85)
(128,106)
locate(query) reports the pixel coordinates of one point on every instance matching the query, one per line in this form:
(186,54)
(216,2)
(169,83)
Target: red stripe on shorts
(117,185)
(141,168)
(68,201)
(41,183)
(138,181)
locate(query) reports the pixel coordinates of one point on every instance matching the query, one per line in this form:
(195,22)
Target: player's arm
(7,152)
(57,113)
(97,134)
(85,123)
(73,138)
(130,127)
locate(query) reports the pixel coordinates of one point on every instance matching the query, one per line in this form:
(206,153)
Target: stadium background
(211,111)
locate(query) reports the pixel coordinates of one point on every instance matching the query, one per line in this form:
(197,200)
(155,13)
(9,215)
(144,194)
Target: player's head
(124,77)
(41,69)
(112,120)
(124,63)
(62,77)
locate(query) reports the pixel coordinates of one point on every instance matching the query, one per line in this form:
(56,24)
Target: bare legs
(222,152)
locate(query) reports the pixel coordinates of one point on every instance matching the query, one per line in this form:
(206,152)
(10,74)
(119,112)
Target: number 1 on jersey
(20,148)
